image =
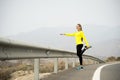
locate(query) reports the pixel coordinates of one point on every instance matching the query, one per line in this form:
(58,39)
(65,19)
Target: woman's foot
(80,68)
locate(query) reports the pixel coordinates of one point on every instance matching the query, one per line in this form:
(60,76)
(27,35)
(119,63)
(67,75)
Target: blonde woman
(80,38)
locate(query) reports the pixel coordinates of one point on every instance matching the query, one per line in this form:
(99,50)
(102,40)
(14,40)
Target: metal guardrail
(10,49)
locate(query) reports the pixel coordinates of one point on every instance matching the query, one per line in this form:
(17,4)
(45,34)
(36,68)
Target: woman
(80,37)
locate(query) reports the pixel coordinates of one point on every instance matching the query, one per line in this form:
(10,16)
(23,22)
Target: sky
(38,20)
(21,16)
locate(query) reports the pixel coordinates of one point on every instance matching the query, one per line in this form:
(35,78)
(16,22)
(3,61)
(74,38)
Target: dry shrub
(118,59)
(111,59)
(49,67)
(61,65)
(4,74)
(7,71)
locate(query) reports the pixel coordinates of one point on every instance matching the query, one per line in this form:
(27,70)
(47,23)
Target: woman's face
(78,28)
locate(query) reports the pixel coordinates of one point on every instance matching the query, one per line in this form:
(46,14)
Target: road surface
(111,72)
(91,72)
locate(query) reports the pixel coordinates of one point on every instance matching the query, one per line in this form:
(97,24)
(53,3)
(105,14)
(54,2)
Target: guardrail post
(96,62)
(73,62)
(36,69)
(87,61)
(56,65)
(66,63)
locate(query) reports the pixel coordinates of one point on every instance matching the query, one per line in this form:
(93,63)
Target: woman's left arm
(85,40)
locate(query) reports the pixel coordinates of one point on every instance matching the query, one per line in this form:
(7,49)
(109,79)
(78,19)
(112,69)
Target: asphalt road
(110,72)
(73,74)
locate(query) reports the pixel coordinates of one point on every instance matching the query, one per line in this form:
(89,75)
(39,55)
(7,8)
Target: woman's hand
(62,34)
(87,47)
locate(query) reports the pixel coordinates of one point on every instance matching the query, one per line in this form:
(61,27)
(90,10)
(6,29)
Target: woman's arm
(68,34)
(85,40)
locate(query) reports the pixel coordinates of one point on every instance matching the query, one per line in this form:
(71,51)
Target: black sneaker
(82,68)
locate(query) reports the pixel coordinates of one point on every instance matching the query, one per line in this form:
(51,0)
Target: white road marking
(96,75)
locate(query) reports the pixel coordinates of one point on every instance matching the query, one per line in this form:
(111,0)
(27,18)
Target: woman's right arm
(68,34)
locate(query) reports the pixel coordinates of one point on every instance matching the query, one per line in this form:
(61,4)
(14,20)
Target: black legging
(79,54)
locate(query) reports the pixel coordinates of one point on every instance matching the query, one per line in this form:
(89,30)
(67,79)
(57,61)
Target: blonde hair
(80,26)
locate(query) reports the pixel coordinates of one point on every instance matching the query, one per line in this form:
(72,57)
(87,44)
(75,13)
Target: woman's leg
(79,49)
(81,60)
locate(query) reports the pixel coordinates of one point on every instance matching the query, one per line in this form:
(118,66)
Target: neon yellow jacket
(79,36)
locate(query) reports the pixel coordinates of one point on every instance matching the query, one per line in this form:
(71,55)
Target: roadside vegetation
(112,59)
(21,68)
(9,69)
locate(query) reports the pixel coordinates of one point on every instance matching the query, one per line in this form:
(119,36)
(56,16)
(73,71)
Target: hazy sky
(18,16)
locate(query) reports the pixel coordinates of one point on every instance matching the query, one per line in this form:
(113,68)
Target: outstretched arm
(68,34)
